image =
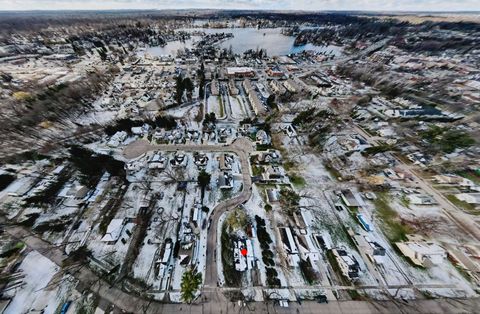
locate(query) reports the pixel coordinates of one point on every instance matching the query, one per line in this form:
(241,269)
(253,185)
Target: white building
(240,72)
(293,257)
(422,253)
(421,199)
(470,198)
(114,230)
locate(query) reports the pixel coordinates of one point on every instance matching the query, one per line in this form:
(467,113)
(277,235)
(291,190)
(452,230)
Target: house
(133,166)
(393,175)
(273,196)
(243,254)
(291,86)
(163,261)
(277,88)
(285,60)
(140,130)
(200,159)
(300,222)
(225,181)
(114,230)
(470,198)
(262,138)
(347,263)
(273,173)
(117,139)
(421,199)
(222,135)
(289,246)
(157,162)
(180,160)
(267,157)
(351,199)
(321,81)
(421,252)
(197,211)
(263,91)
(19,187)
(376,249)
(307,249)
(372,248)
(225,162)
(289,130)
(453,180)
(193,135)
(74,193)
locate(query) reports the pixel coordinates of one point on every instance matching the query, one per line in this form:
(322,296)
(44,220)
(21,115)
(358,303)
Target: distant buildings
(277,88)
(274,72)
(421,112)
(256,103)
(232,88)
(240,72)
(215,88)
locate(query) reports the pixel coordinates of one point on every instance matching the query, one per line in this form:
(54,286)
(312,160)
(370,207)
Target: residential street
(217,304)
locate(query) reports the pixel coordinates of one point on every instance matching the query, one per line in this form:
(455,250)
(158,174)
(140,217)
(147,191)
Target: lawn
(257,170)
(333,172)
(220,103)
(393,229)
(470,208)
(296,180)
(471,175)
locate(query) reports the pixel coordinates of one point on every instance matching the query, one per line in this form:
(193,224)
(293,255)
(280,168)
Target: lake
(244,39)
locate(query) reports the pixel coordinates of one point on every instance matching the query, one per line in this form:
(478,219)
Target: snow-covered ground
(174,210)
(318,198)
(214,105)
(237,105)
(35,293)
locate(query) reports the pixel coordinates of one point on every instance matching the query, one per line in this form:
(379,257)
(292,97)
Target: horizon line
(251,10)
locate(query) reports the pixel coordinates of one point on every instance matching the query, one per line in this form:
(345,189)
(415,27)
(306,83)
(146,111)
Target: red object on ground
(243,251)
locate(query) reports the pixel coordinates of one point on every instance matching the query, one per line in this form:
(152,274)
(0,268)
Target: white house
(422,253)
(470,198)
(114,230)
(421,199)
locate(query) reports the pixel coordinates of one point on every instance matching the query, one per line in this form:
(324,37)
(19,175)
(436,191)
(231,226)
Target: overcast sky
(376,5)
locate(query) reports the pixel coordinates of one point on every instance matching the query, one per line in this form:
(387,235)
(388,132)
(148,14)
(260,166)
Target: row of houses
(257,104)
